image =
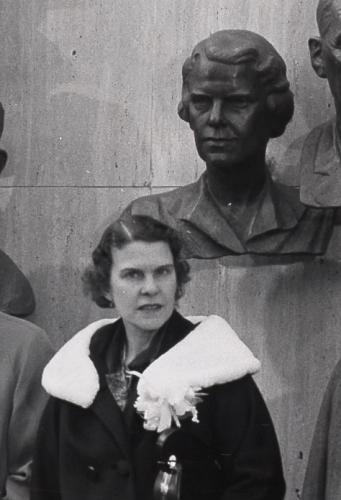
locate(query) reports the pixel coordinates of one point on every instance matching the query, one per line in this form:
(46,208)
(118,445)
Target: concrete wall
(90,90)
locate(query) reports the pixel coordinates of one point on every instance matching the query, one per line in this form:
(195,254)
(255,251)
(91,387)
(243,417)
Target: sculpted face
(332,60)
(325,53)
(227,112)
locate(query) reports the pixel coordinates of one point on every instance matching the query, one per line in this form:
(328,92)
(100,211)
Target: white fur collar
(72,376)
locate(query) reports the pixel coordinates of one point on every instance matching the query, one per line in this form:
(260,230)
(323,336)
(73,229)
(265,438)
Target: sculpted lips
(218,140)
(220,143)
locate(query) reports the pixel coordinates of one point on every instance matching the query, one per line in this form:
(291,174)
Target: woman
(93,444)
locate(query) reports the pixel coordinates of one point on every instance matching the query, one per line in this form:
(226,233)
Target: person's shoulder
(19,334)
(19,326)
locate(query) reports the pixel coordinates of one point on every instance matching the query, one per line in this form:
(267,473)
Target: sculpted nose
(216,115)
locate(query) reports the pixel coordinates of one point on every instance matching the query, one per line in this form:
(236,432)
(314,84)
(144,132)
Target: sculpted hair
(96,278)
(245,47)
(327,11)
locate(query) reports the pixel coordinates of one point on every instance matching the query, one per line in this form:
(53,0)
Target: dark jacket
(323,476)
(102,453)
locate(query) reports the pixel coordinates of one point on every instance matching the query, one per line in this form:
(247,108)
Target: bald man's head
(325,52)
(327,12)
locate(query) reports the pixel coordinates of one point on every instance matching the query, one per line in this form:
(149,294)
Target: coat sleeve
(246,444)
(45,470)
(28,403)
(323,479)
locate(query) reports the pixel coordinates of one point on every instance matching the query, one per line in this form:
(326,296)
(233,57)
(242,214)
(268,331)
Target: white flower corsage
(159,412)
(171,387)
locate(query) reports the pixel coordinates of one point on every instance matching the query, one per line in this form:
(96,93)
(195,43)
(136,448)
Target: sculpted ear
(316,56)
(183,111)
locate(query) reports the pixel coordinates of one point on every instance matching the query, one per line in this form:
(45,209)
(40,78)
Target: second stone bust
(236,97)
(313,161)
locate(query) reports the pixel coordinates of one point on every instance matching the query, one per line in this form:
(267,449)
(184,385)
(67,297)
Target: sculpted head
(235,90)
(325,52)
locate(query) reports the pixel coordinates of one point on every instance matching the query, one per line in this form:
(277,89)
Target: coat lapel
(175,329)
(196,204)
(106,409)
(104,406)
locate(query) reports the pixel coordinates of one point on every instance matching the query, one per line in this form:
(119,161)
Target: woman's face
(143,284)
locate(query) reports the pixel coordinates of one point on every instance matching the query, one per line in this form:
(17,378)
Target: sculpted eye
(201,102)
(240,101)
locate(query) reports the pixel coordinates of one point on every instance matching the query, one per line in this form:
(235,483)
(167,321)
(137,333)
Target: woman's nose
(216,115)
(150,285)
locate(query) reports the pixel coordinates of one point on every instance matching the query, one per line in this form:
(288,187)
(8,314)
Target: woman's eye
(133,274)
(164,271)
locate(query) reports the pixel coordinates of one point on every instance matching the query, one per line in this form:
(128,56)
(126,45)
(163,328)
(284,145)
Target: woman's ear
(316,56)
(109,299)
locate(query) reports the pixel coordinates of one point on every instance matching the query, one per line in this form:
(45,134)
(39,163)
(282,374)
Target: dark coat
(323,476)
(101,453)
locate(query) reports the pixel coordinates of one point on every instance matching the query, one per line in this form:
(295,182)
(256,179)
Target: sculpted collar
(280,224)
(320,167)
(278,208)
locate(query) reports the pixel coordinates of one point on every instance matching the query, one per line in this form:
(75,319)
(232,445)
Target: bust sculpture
(236,97)
(16,294)
(314,161)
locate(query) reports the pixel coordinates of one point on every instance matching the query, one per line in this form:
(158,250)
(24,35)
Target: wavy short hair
(96,278)
(245,47)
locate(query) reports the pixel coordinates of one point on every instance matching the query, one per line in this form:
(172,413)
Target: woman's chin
(153,319)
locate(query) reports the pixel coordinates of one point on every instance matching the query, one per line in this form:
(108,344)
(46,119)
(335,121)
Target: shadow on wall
(77,125)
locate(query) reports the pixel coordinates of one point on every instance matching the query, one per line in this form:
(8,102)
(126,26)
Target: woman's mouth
(150,307)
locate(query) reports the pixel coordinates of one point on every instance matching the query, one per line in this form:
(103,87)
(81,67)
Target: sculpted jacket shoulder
(280,223)
(313,164)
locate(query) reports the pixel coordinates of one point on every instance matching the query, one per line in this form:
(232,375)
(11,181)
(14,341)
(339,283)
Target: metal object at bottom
(167,485)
